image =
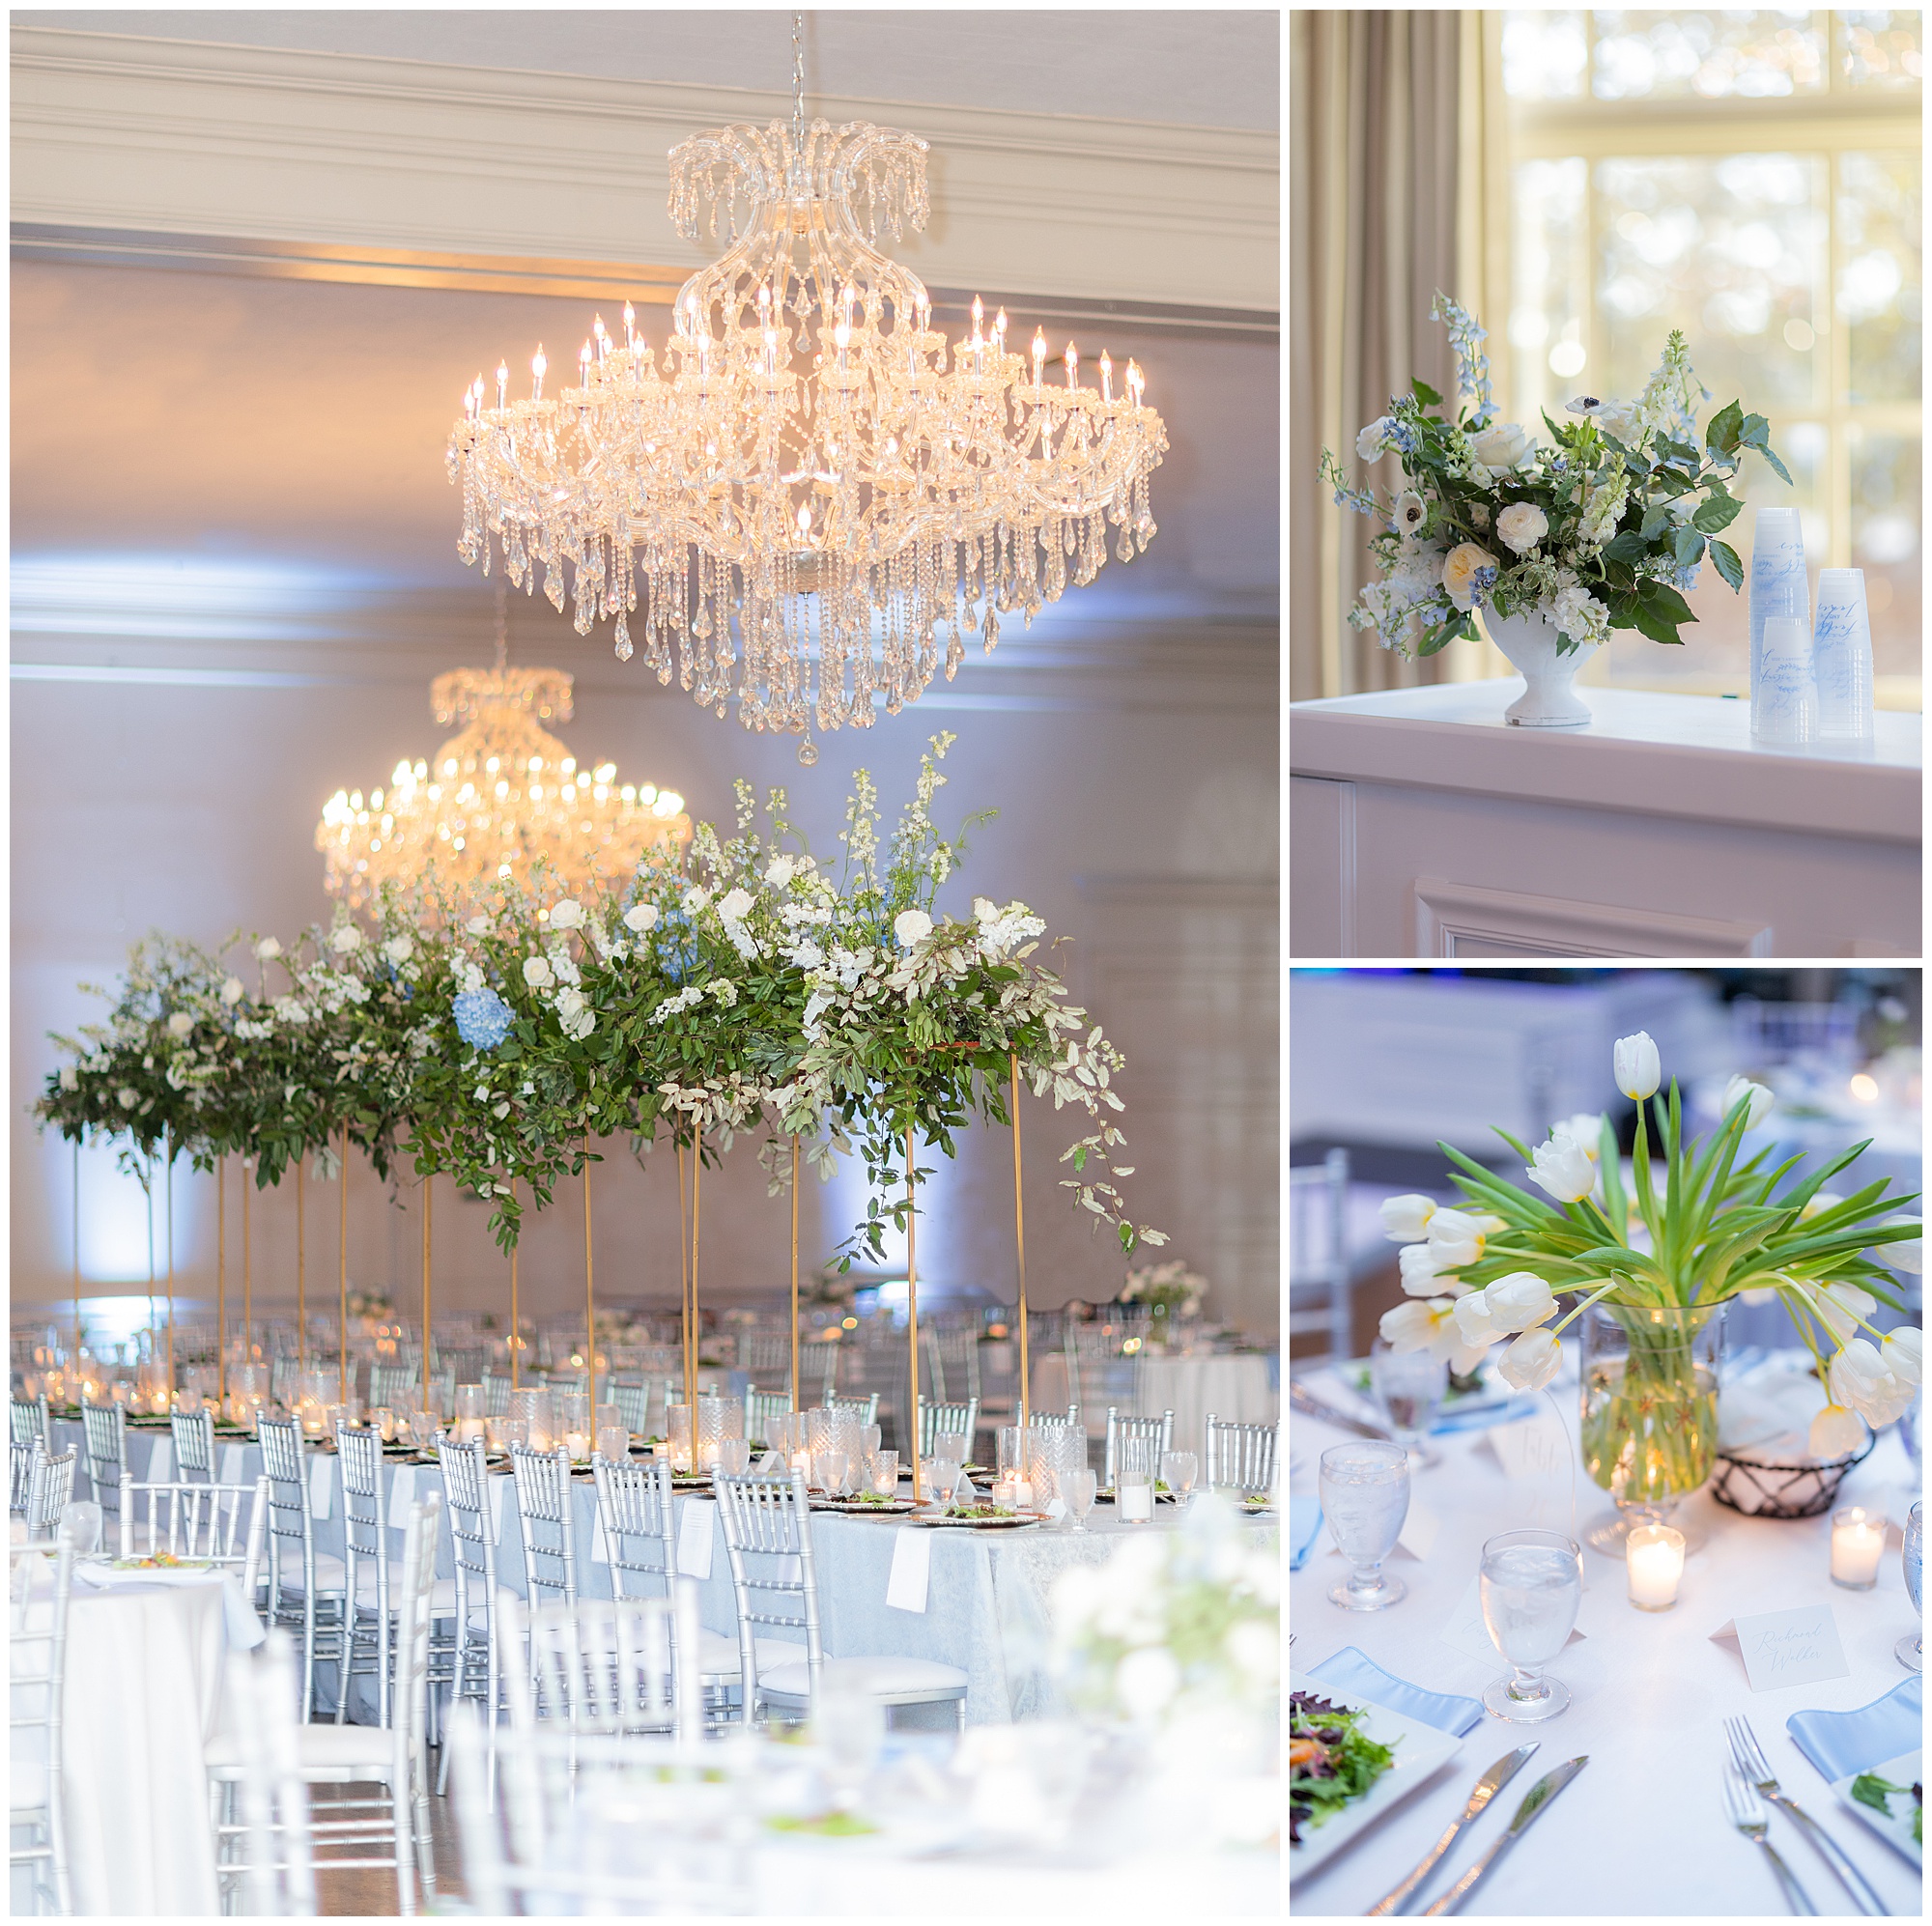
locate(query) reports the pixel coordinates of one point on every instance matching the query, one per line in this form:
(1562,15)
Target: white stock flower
(1636,1066)
(537,972)
(1740,1088)
(1459,571)
(1907,1254)
(911,926)
(1835,1433)
(1532,1361)
(1520,527)
(400,949)
(734,905)
(1404,1219)
(567,913)
(268,949)
(1563,1170)
(640,917)
(1903,1351)
(1372,442)
(345,939)
(1501,447)
(233,990)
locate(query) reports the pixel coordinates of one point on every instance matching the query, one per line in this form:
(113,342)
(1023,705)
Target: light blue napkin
(1840,1744)
(1304,1524)
(1352,1673)
(1482,1418)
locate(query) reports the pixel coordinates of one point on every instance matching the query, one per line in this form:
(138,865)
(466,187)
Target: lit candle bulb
(1000,331)
(630,328)
(502,382)
(583,363)
(1073,366)
(1106,375)
(922,311)
(1038,356)
(771,351)
(805,523)
(841,339)
(1136,382)
(537,366)
(602,339)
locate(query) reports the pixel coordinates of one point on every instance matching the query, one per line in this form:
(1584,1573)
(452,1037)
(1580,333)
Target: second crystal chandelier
(805,480)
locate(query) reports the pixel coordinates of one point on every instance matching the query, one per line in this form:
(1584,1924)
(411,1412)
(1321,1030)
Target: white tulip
(566,915)
(1410,1325)
(1455,1238)
(1563,1170)
(1861,1378)
(1840,1306)
(640,917)
(911,926)
(1638,1069)
(1903,1351)
(1404,1219)
(1532,1360)
(1835,1433)
(1520,1301)
(1739,1089)
(233,991)
(1905,1254)
(1419,1275)
(1475,1321)
(1585,1130)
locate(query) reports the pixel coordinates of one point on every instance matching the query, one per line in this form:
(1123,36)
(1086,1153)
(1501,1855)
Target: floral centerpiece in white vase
(1170,1292)
(1553,544)
(1653,1259)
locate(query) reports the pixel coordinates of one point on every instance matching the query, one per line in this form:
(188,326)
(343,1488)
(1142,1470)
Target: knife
(1306,1401)
(1485,1789)
(1540,1796)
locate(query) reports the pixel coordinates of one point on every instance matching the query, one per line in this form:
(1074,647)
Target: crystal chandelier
(498,795)
(812,478)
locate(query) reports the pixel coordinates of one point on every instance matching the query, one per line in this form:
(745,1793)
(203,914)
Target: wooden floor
(371,1894)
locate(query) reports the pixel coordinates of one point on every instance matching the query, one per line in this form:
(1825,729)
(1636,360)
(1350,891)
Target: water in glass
(1911,1649)
(1365,1499)
(1533,1582)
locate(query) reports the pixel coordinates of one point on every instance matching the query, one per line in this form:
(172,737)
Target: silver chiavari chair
(866,1409)
(195,1444)
(20,1455)
(307,1589)
(943,1421)
(611,1667)
(475,1664)
(37,1676)
(543,1510)
(768,1537)
(1238,1458)
(104,1433)
(761,1407)
(266,1860)
(29,1420)
(50,1492)
(1159,1432)
(496,1389)
(365,1541)
(224,1525)
(634,1406)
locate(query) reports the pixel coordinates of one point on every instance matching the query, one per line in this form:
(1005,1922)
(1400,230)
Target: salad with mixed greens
(1869,1789)
(1330,1761)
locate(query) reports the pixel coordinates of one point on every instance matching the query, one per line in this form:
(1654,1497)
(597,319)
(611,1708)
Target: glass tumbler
(1910,1650)
(885,1473)
(1178,1470)
(1532,1583)
(1365,1498)
(613,1442)
(677,1423)
(1409,1386)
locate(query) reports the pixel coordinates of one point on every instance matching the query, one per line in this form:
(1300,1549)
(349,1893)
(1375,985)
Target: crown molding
(116,132)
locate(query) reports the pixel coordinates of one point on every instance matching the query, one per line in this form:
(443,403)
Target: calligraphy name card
(1791,1648)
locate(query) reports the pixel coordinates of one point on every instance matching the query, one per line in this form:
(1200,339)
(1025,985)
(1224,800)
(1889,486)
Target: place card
(912,1568)
(1531,1448)
(1468,1633)
(694,1526)
(1791,1648)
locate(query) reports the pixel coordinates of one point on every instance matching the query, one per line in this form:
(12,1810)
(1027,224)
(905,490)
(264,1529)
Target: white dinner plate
(1419,1751)
(1906,1769)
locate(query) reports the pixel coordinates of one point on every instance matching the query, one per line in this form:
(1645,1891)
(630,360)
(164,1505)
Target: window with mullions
(1753,178)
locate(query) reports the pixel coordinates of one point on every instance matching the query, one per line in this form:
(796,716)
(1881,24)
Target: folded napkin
(1304,1525)
(161,1462)
(696,1521)
(1349,1670)
(1840,1744)
(912,1568)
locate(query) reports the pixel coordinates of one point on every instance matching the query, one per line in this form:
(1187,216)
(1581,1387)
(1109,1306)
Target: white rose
(778,872)
(346,940)
(1502,447)
(268,949)
(180,1024)
(478,926)
(695,899)
(537,972)
(911,926)
(640,917)
(1372,442)
(232,992)
(399,949)
(566,915)
(1522,526)
(985,910)
(1459,571)
(734,904)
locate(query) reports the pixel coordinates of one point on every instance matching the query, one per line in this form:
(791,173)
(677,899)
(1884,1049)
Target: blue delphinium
(1472,365)
(482,1018)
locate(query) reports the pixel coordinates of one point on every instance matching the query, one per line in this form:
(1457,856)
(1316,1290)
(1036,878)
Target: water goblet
(734,1454)
(942,1475)
(81,1522)
(829,1471)
(1080,1490)
(1409,1386)
(1010,1451)
(950,1444)
(1532,1583)
(1909,1651)
(869,1438)
(1178,1472)
(1365,1498)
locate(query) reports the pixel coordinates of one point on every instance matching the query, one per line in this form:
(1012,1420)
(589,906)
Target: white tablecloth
(1642,1832)
(1240,1388)
(144,1668)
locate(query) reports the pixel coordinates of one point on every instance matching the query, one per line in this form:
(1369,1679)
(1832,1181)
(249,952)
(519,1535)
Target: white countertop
(1650,754)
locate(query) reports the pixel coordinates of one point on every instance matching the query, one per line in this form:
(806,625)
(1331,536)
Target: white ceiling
(1199,68)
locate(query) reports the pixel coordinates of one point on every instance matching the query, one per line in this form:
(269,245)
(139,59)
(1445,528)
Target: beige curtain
(1392,171)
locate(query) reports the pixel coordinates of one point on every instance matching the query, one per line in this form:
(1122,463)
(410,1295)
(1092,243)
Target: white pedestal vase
(1531,643)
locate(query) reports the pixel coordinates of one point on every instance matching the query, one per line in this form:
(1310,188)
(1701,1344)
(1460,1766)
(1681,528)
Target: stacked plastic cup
(1841,657)
(1784,705)
(1777,580)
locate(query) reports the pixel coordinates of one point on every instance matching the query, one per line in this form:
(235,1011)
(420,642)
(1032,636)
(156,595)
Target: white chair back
(614,1667)
(761,1407)
(768,1538)
(295,1594)
(29,1420)
(224,1525)
(365,1542)
(1238,1458)
(1319,1286)
(20,1455)
(475,1667)
(866,1409)
(634,1405)
(37,1675)
(543,1510)
(639,1514)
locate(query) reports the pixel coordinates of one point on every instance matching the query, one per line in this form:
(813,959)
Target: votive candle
(1858,1545)
(1655,1559)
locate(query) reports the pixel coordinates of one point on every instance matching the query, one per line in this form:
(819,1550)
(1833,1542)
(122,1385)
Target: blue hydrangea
(482,1019)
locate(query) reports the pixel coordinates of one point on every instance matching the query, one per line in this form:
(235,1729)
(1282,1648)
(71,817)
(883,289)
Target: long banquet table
(1642,1830)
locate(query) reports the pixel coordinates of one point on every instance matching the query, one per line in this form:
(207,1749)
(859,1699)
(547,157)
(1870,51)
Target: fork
(1756,1769)
(1747,1815)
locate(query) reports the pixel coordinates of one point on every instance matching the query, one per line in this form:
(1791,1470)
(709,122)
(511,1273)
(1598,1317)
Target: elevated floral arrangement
(1604,527)
(1168,1290)
(1702,1228)
(736,988)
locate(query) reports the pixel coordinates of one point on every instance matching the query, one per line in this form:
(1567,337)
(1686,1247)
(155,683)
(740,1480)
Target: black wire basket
(1763,1491)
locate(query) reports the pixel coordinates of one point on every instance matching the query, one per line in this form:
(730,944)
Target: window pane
(1880,289)
(1548,321)
(1886,515)
(1545,55)
(1879,48)
(1672,54)
(1732,250)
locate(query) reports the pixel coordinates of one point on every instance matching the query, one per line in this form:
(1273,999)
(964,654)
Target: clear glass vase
(1650,1413)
